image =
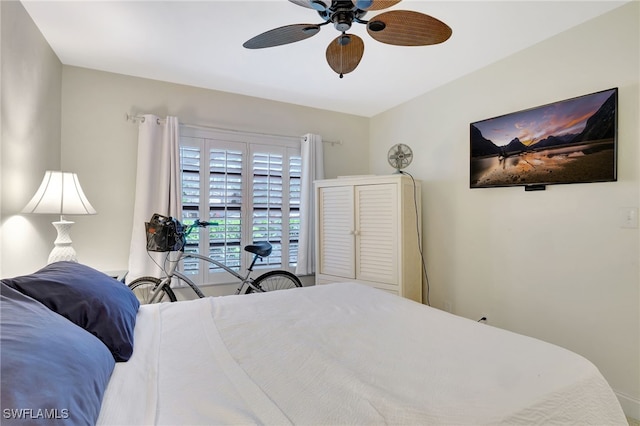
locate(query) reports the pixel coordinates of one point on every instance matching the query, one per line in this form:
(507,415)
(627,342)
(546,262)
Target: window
(249,185)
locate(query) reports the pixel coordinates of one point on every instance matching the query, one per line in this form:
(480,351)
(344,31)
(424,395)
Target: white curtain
(157,188)
(312,169)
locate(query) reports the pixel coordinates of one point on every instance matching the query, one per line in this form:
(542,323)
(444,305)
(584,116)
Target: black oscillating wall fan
(396,27)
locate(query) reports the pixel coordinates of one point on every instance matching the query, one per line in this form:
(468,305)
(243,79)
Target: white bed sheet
(344,354)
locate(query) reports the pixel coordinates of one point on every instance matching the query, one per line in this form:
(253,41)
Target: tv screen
(570,141)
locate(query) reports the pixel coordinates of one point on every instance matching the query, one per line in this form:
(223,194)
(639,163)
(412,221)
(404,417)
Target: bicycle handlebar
(198,224)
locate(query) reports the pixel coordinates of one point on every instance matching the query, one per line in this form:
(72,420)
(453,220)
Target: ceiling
(199,43)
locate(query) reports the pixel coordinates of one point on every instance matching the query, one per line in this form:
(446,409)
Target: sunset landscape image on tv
(571,141)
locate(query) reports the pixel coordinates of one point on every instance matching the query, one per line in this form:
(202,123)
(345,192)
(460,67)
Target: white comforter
(344,354)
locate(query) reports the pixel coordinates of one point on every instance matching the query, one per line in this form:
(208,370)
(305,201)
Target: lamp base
(63,250)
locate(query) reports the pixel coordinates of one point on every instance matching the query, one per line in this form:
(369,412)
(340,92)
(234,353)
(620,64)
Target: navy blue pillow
(52,370)
(103,306)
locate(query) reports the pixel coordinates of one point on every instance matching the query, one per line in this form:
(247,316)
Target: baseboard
(629,404)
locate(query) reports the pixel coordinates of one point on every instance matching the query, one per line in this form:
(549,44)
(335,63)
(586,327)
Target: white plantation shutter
(225,203)
(250,189)
(295,171)
(190,165)
(268,203)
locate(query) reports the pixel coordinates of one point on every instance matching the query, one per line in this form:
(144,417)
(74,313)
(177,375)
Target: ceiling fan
(397,27)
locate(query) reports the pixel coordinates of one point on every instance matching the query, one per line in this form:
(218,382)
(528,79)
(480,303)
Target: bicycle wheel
(275,280)
(144,286)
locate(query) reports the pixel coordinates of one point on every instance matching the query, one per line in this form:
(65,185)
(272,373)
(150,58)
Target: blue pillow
(51,370)
(102,305)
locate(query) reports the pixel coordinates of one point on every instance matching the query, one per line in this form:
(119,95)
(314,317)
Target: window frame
(248,144)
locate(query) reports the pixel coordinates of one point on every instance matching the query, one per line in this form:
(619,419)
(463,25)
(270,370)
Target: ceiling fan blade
(313,4)
(344,53)
(373,4)
(407,28)
(282,35)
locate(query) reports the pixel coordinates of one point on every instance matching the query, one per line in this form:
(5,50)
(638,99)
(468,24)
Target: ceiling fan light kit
(319,5)
(396,27)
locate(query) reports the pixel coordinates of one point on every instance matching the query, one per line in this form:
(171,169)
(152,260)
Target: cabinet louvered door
(367,231)
(336,240)
(377,233)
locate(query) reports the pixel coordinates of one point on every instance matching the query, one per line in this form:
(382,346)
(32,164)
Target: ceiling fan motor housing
(342,14)
(342,20)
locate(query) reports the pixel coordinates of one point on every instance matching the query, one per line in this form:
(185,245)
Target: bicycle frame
(243,279)
(173,272)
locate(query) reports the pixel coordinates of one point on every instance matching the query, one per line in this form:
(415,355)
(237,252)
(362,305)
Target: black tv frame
(570,141)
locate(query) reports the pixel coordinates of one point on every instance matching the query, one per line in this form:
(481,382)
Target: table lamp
(60,193)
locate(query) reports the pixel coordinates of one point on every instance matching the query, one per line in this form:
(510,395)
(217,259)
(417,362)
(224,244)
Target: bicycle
(166,234)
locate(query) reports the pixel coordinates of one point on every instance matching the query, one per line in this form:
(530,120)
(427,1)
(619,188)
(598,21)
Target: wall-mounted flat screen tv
(570,141)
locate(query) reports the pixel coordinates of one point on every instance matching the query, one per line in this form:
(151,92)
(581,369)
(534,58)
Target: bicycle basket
(164,234)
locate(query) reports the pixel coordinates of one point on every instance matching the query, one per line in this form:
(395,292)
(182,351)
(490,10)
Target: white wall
(30,109)
(100,145)
(553,264)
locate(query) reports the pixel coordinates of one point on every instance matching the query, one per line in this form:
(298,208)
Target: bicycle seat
(262,248)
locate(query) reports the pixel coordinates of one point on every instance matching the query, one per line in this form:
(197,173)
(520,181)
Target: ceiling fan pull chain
(341,53)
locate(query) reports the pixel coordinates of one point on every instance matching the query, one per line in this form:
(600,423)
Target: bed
(333,354)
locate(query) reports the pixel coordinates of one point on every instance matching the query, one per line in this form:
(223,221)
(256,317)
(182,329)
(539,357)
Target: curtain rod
(140,119)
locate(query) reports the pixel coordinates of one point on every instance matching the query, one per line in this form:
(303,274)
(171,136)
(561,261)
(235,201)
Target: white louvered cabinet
(367,231)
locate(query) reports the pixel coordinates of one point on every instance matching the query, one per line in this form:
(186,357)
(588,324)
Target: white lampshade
(59,193)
